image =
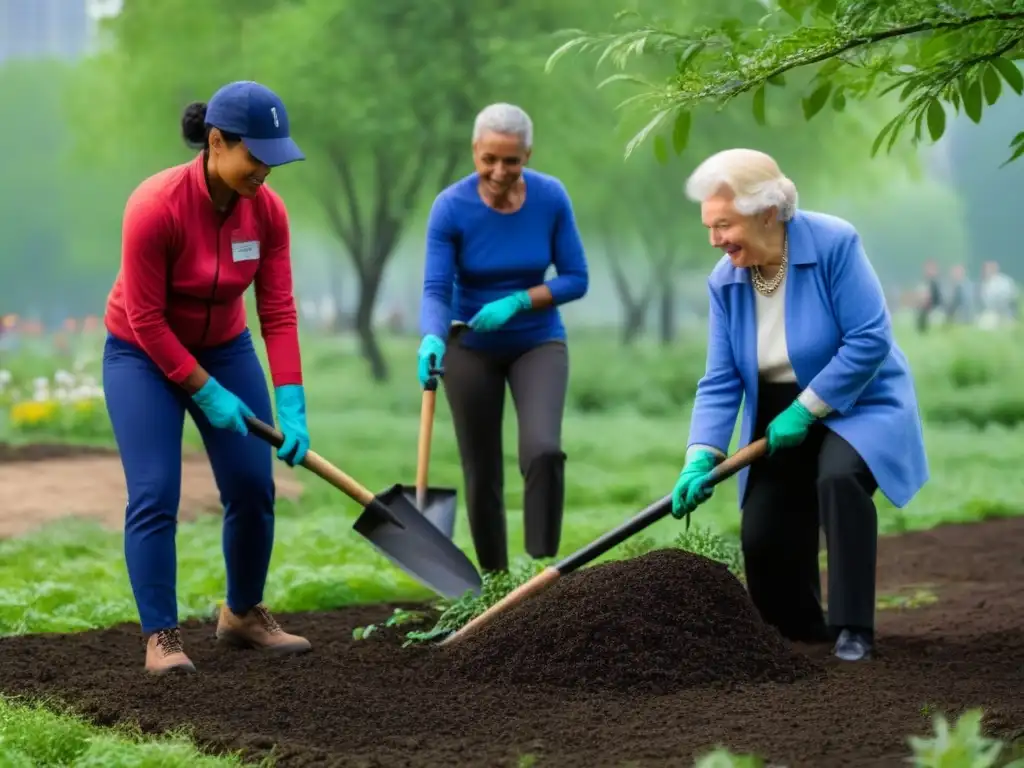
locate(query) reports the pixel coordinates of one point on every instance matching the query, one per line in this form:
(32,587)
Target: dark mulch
(645,663)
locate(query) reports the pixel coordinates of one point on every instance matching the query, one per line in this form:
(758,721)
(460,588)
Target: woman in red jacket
(194,238)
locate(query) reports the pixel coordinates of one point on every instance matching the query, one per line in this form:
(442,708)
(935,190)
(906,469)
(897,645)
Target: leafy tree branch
(958,54)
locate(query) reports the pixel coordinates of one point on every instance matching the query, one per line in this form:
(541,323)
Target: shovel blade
(416,545)
(439,508)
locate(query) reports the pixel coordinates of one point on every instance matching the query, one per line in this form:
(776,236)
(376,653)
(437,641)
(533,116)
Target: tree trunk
(369,287)
(634,309)
(668,310)
(633,324)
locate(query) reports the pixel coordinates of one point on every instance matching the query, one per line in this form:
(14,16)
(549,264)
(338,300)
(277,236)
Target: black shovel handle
(743,458)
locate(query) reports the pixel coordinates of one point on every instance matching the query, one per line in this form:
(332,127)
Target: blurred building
(64,29)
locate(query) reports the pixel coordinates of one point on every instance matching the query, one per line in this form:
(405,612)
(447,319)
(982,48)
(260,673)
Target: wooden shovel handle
(315,463)
(423,448)
(744,457)
(537,584)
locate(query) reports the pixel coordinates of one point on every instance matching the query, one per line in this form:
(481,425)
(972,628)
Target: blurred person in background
(931,296)
(491,238)
(195,237)
(798,325)
(960,305)
(999,296)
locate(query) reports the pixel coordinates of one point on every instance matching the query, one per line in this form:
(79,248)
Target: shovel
(394,527)
(438,505)
(726,469)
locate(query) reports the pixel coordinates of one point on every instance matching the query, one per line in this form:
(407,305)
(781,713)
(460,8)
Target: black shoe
(854,645)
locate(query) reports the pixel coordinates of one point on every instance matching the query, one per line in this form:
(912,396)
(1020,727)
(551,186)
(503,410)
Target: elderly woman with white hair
(799,325)
(491,239)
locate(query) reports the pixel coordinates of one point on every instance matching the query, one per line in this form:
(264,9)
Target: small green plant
(962,746)
(723,758)
(637,546)
(457,613)
(705,542)
(916,599)
(399,618)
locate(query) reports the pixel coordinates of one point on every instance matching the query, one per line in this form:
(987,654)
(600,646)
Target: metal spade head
(416,545)
(439,508)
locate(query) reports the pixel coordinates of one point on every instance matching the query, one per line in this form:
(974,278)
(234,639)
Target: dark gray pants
(474,384)
(822,482)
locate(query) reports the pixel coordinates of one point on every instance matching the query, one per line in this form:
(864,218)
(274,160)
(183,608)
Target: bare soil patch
(41,483)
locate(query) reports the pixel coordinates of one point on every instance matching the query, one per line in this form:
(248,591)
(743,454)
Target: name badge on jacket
(245,251)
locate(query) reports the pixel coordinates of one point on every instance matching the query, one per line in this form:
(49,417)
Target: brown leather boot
(257,629)
(165,653)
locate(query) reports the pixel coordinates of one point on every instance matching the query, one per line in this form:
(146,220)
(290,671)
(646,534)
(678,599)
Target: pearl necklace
(768,287)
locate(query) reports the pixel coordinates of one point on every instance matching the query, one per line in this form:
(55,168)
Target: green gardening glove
(690,490)
(789,428)
(495,314)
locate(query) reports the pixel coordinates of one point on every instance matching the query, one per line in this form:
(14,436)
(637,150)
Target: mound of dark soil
(661,622)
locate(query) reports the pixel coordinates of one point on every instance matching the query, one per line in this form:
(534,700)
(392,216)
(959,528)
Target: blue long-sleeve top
(476,255)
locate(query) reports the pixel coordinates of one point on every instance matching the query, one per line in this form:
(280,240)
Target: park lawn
(625,434)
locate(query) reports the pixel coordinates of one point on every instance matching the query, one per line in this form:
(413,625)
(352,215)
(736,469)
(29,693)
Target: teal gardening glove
(429,358)
(495,314)
(291,416)
(690,491)
(789,428)
(223,408)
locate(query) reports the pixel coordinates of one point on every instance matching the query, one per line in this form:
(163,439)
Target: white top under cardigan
(773,363)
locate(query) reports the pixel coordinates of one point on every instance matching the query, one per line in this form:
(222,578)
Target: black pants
(474,384)
(822,482)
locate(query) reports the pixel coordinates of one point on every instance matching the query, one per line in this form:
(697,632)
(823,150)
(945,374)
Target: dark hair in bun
(193,125)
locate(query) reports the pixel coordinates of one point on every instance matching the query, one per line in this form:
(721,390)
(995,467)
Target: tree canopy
(924,57)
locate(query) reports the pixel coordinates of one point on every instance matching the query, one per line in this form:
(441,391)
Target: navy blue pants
(147,411)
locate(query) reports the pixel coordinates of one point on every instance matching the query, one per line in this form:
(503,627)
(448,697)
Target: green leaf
(813,103)
(1018,139)
(936,119)
(971,91)
(778,80)
(886,130)
(661,149)
(839,99)
(646,131)
(795,8)
(759,105)
(622,77)
(684,60)
(681,132)
(1010,73)
(993,85)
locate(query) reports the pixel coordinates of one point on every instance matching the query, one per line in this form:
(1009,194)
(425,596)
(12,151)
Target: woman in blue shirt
(799,330)
(491,238)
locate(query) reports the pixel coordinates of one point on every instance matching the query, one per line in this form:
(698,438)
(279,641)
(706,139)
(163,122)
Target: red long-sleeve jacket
(184,272)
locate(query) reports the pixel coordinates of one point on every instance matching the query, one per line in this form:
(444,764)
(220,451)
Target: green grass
(625,435)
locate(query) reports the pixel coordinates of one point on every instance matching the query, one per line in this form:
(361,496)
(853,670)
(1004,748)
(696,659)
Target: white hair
(753,177)
(504,118)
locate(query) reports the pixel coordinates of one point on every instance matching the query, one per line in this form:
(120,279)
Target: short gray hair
(753,177)
(504,118)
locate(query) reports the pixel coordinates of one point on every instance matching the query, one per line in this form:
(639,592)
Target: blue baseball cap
(255,113)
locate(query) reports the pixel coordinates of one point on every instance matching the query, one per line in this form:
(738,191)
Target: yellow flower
(30,412)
